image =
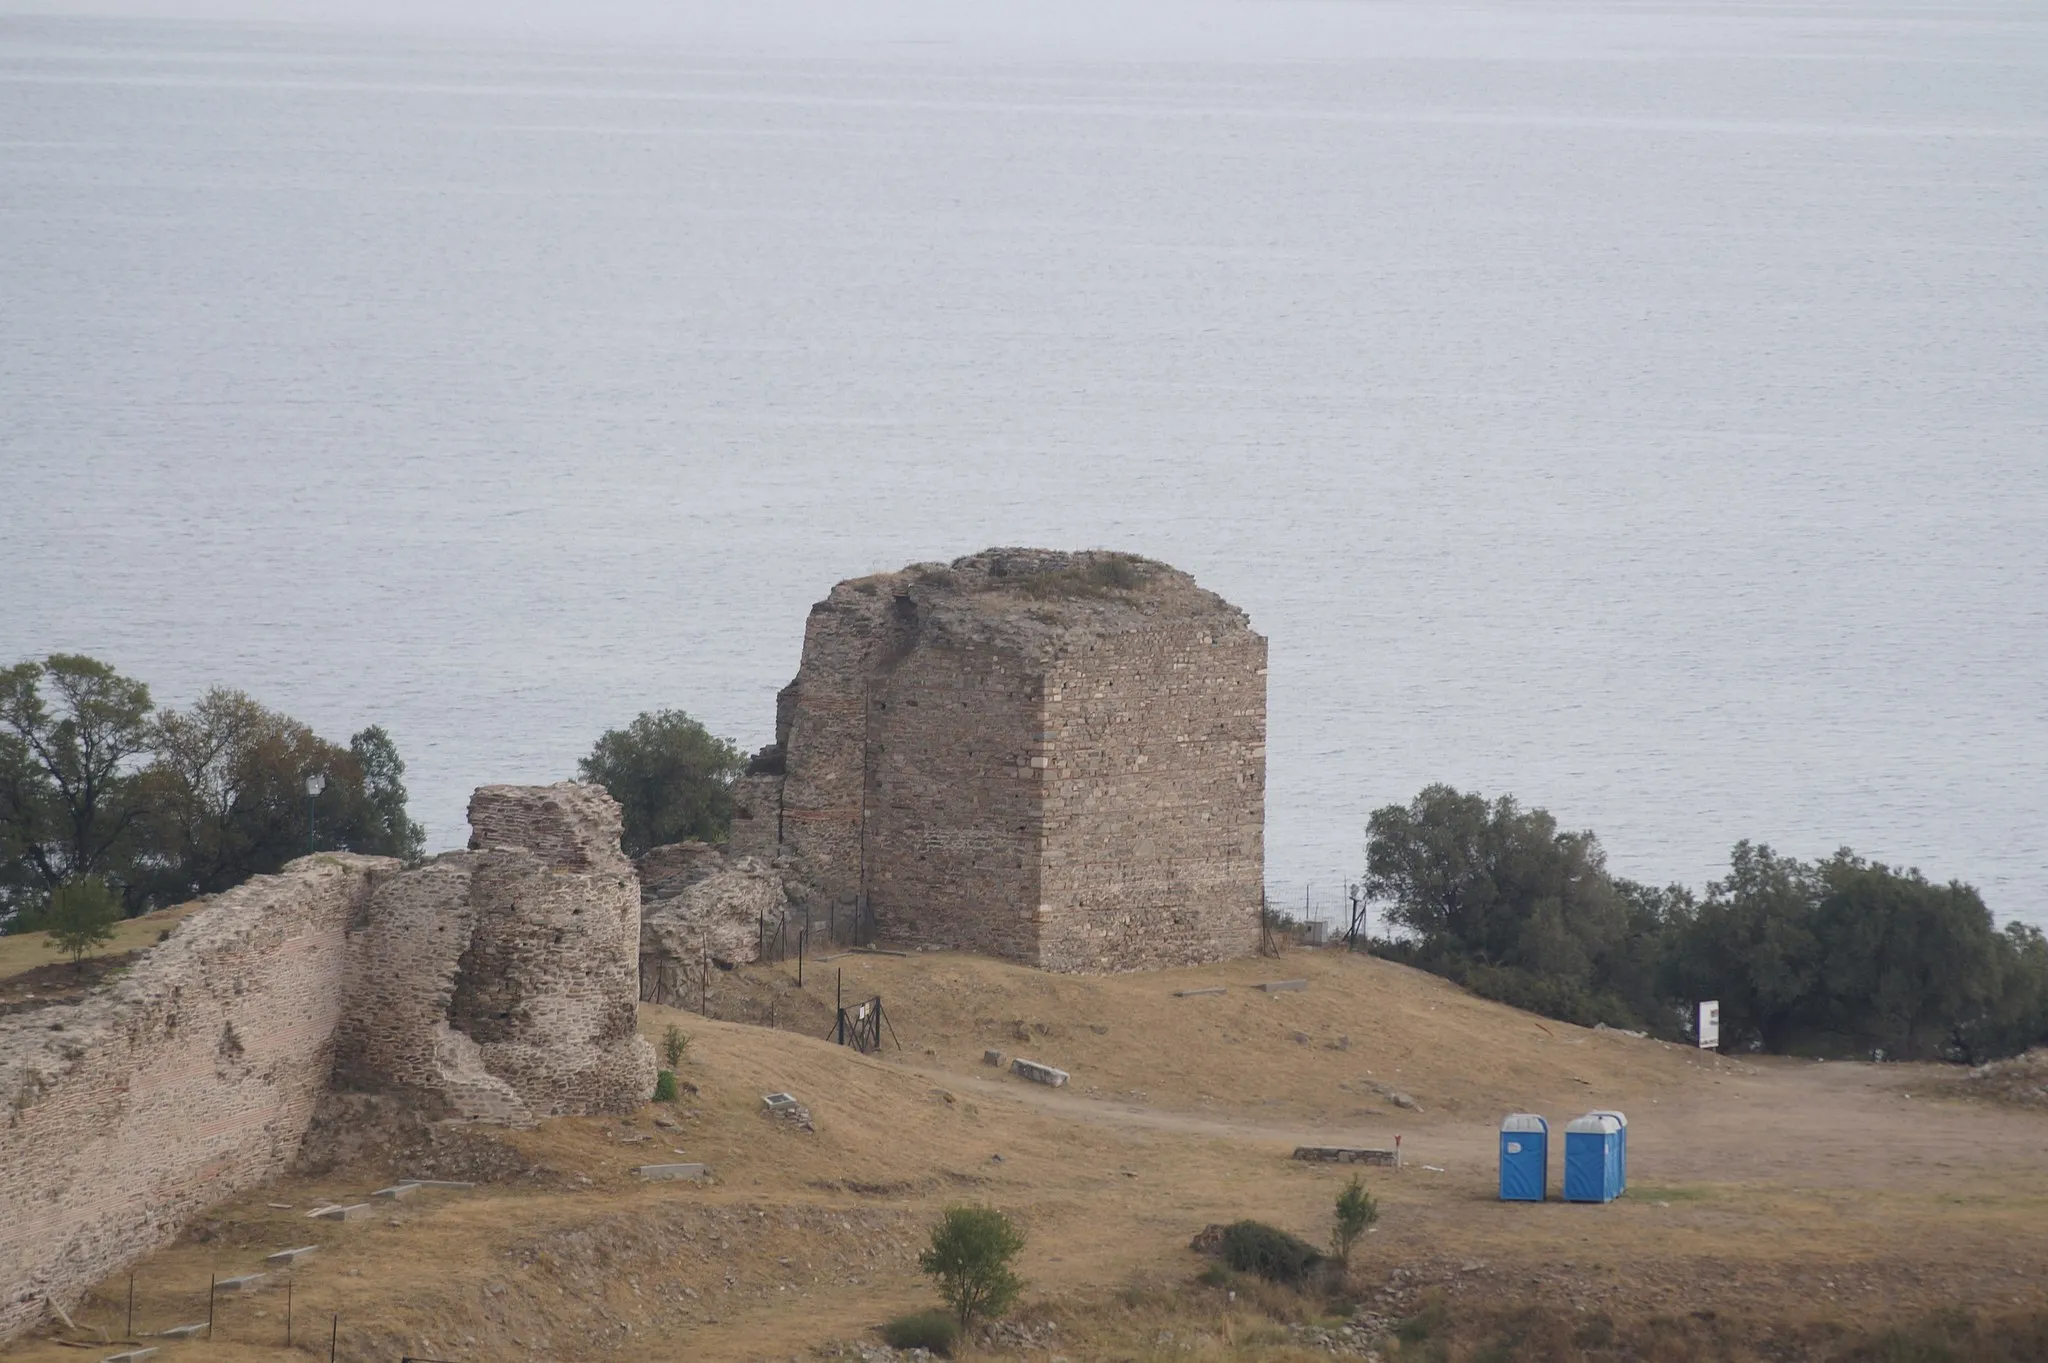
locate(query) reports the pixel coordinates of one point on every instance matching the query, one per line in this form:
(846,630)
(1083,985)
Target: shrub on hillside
(665,1087)
(969,1259)
(1268,1251)
(934,1330)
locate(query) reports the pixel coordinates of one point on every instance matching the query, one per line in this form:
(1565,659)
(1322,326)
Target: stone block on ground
(246,1282)
(1198,993)
(289,1256)
(131,1356)
(994,1058)
(1037,1073)
(354,1211)
(183,1331)
(786,1107)
(437,1183)
(1346,1154)
(694,1172)
(1283,986)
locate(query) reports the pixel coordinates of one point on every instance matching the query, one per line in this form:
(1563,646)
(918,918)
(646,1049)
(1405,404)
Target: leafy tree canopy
(671,776)
(162,806)
(73,732)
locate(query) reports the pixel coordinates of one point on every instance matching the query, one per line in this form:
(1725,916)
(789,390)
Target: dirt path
(1793,1123)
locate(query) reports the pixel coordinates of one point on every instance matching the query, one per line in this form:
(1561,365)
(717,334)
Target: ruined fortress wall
(756,817)
(953,835)
(548,987)
(193,1077)
(1154,799)
(394,1037)
(826,755)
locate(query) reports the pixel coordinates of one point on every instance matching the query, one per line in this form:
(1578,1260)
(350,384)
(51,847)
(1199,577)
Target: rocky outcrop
(701,912)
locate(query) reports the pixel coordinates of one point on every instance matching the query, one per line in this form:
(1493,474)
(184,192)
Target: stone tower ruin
(1055,757)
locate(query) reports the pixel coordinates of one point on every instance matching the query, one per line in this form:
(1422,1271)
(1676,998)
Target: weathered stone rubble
(700,910)
(1054,757)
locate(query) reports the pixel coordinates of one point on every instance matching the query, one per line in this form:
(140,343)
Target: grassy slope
(1782,1189)
(27,950)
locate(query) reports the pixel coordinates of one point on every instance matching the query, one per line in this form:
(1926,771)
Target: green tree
(1495,884)
(2015,1015)
(1904,962)
(670,775)
(674,1046)
(68,803)
(1356,1211)
(373,817)
(969,1260)
(82,915)
(1751,944)
(226,795)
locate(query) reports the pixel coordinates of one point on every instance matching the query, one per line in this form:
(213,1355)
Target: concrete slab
(247,1282)
(1282,986)
(1345,1154)
(353,1212)
(992,1058)
(132,1356)
(694,1172)
(288,1257)
(396,1191)
(183,1331)
(1037,1073)
(1198,993)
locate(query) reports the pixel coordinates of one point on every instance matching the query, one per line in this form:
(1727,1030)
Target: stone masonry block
(1037,1073)
(693,1172)
(1342,1154)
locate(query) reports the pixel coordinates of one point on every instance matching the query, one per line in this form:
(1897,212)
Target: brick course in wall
(1059,758)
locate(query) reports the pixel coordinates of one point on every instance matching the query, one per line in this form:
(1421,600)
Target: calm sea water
(1640,408)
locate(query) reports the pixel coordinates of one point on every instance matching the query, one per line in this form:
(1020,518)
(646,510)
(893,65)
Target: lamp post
(315,783)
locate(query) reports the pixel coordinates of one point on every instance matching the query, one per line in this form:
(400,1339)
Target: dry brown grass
(1765,1192)
(26,950)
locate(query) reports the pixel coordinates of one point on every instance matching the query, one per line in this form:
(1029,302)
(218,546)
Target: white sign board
(1710,1025)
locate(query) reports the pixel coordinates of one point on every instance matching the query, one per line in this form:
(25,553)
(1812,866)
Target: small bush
(665,1087)
(675,1044)
(934,1330)
(1355,1212)
(969,1260)
(1268,1251)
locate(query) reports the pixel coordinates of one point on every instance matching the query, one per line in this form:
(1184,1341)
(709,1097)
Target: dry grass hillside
(1790,1194)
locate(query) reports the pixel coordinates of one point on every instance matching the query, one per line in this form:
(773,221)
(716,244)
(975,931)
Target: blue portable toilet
(1622,1117)
(1524,1158)
(1592,1159)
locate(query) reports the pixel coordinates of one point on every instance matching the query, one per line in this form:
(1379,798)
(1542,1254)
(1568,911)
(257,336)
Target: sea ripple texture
(1638,407)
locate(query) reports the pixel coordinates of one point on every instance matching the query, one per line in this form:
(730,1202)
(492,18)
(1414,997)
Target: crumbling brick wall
(500,984)
(193,1077)
(1058,758)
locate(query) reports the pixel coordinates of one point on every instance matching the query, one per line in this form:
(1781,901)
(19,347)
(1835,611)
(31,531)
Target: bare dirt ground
(1761,1190)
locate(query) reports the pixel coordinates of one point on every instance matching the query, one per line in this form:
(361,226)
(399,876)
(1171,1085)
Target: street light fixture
(316,781)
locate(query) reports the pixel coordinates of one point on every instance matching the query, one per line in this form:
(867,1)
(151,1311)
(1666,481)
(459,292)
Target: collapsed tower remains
(1054,757)
(499,984)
